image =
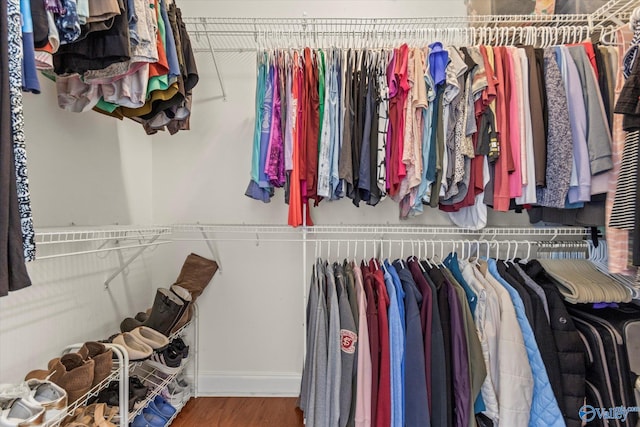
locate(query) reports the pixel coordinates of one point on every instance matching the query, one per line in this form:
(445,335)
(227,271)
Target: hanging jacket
(544,407)
(569,346)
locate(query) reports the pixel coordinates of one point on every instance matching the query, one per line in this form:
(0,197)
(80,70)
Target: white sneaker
(20,412)
(174,394)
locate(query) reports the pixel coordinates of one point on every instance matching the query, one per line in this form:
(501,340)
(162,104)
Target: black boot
(166,311)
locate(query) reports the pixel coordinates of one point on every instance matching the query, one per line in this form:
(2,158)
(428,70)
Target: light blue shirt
(580,190)
(544,406)
(396,345)
(334,124)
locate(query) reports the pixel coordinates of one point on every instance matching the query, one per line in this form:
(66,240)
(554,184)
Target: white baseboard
(249,384)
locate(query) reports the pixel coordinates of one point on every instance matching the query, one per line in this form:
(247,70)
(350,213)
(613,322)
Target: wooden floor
(240,412)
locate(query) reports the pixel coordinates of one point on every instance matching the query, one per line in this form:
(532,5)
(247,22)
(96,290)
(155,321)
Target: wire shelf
(450,231)
(48,236)
(377,230)
(156,381)
(234,228)
(247,34)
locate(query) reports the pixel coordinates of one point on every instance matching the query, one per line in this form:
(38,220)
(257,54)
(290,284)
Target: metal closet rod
(286,234)
(381,248)
(612,10)
(94,251)
(611,13)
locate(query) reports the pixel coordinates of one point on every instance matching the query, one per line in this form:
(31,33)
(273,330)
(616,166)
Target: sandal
(102,414)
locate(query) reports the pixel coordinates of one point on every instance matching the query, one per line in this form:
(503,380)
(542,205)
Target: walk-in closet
(385,213)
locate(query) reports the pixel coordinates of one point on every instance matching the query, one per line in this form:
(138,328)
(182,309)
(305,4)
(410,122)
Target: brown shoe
(195,275)
(103,358)
(70,372)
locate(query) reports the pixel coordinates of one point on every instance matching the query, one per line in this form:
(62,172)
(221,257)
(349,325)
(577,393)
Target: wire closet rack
(237,35)
(248,34)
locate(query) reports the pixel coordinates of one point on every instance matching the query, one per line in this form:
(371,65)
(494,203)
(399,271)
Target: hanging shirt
(309,375)
(598,136)
(364,179)
(326,145)
(310,184)
(335,134)
(345,162)
(396,345)
(334,355)
(511,371)
(513,105)
(423,193)
(319,385)
(364,368)
(487,322)
(416,407)
(348,344)
(559,137)
(580,190)
(383,123)
(544,407)
(383,404)
(374,334)
(30,81)
(295,193)
(290,121)
(275,167)
(393,174)
(254,190)
(526,128)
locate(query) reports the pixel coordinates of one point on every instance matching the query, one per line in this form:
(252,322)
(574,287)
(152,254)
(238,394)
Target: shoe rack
(158,380)
(153,378)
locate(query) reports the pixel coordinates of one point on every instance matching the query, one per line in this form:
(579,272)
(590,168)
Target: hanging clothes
(441,337)
(13,271)
(461,129)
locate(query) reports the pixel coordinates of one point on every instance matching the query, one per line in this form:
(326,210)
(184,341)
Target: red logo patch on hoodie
(348,339)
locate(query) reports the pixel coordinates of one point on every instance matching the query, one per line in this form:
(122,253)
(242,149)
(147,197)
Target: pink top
(363,379)
(515,178)
(501,185)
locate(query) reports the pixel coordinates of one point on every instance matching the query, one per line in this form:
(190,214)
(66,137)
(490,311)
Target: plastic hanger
(364,251)
(420,256)
(526,259)
(504,261)
(355,252)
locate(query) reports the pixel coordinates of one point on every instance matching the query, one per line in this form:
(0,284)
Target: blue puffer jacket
(545,411)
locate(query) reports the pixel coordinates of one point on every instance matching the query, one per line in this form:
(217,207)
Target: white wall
(84,169)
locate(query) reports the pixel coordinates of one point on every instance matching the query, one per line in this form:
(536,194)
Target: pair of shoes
(102,357)
(25,402)
(111,395)
(180,346)
(20,412)
(177,392)
(79,372)
(194,277)
(162,407)
(169,360)
(157,414)
(94,415)
(141,342)
(168,307)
